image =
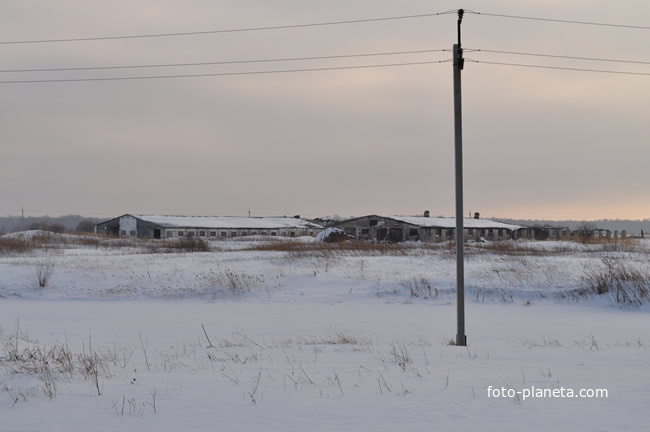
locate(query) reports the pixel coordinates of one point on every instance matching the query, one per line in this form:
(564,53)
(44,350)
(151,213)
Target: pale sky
(537,143)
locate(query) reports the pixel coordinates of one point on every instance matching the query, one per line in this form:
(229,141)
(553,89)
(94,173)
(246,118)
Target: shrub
(627,285)
(43,273)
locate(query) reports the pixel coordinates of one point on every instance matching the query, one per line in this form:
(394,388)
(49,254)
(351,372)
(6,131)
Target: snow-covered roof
(231,222)
(439,222)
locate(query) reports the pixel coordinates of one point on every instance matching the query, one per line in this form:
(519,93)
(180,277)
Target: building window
(233,234)
(123,232)
(202,233)
(373,222)
(170,234)
(470,231)
(438,231)
(224,234)
(413,232)
(450,233)
(190,234)
(213,233)
(132,233)
(244,233)
(500,231)
(181,233)
(274,233)
(365,231)
(293,233)
(253,232)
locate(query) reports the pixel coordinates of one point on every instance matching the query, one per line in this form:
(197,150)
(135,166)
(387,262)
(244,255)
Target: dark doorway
(156,233)
(395,235)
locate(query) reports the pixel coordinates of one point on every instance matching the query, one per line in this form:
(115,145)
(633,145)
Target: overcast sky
(537,143)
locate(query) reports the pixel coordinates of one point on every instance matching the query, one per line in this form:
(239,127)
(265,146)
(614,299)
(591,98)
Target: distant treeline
(68,223)
(632,226)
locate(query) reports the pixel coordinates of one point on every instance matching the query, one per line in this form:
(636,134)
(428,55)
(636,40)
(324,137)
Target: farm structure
(208,227)
(543,232)
(424,228)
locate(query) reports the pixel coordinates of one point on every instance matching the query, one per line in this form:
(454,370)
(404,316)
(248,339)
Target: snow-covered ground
(246,340)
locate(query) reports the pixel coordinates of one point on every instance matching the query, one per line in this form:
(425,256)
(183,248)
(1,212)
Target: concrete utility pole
(461,338)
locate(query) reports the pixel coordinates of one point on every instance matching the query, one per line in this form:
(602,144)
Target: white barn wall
(128,224)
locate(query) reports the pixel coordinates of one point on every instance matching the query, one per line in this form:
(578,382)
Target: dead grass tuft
(628,284)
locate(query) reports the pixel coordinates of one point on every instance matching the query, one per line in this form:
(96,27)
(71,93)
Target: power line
(222,62)
(559,68)
(233,30)
(556,56)
(67,80)
(64,80)
(601,24)
(340,56)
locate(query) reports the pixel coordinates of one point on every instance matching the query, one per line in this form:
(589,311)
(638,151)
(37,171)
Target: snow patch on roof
(438,222)
(231,222)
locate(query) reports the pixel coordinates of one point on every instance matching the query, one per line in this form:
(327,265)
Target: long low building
(209,227)
(424,228)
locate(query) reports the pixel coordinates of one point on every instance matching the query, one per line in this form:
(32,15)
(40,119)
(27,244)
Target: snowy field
(258,335)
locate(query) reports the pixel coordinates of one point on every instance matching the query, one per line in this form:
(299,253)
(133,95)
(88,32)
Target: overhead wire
(564,21)
(279,71)
(600,59)
(289,59)
(558,67)
(212,63)
(324,57)
(218,31)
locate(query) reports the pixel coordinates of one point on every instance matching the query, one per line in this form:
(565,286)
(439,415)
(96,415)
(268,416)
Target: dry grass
(14,245)
(22,356)
(231,282)
(628,284)
(50,241)
(618,245)
(346,248)
(45,241)
(420,287)
(184,244)
(517,249)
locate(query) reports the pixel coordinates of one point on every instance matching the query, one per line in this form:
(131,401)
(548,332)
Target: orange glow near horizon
(575,211)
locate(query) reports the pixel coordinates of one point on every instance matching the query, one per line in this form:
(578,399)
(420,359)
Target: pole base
(461,340)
